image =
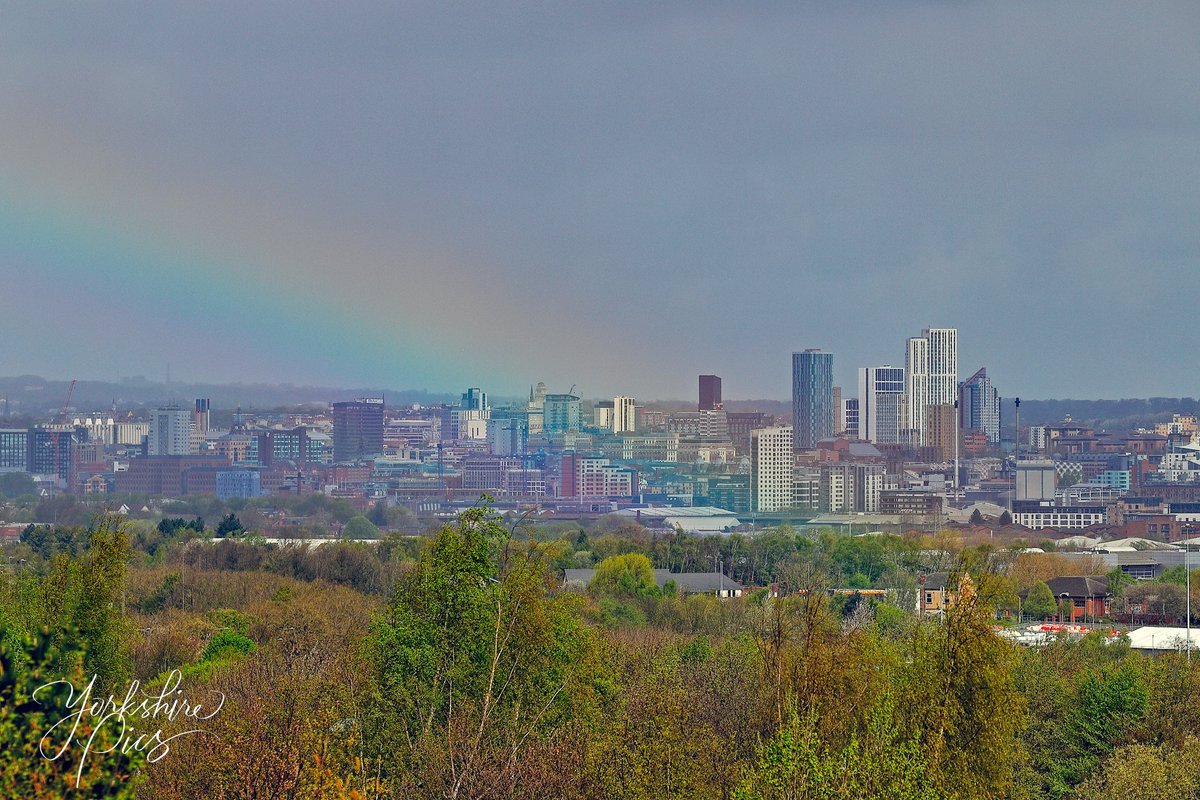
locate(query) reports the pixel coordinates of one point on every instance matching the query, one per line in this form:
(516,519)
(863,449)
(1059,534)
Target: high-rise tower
(710,393)
(943,365)
(357,429)
(931,377)
(812,398)
(475,399)
(170,432)
(771,469)
(979,406)
(624,415)
(560,413)
(916,388)
(880,404)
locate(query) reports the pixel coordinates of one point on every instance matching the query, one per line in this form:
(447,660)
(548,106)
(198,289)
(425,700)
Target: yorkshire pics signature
(134,721)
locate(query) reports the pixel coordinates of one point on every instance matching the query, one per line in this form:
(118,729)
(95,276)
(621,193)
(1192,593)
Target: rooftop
(687,582)
(1154,637)
(1133,544)
(1078,586)
(676,511)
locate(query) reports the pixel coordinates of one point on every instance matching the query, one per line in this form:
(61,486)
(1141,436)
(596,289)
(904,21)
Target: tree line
(466,669)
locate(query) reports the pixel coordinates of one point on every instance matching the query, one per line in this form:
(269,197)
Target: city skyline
(422,197)
(600,400)
(172,392)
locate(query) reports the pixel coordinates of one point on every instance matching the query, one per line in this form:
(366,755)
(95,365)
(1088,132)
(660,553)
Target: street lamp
(1187,571)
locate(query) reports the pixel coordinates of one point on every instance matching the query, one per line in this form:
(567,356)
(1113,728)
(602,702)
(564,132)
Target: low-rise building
(907,503)
(596,476)
(168,476)
(938,593)
(686,583)
(692,519)
(1037,515)
(1081,597)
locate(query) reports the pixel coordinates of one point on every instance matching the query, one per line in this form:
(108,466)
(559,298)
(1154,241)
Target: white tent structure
(1157,639)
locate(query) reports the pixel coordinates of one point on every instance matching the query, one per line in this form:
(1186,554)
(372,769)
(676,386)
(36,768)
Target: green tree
(1107,705)
(890,622)
(614,613)
(1176,575)
(99,614)
(885,762)
(27,665)
(1117,581)
(63,509)
(49,540)
(169,526)
(1155,598)
(629,575)
(378,514)
(1040,603)
(359,527)
(474,657)
(226,644)
(966,702)
(86,595)
(230,525)
(1142,772)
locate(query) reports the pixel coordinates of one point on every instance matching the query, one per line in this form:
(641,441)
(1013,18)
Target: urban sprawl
(912,449)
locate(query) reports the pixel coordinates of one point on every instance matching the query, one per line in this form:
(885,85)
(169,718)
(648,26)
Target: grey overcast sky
(615,195)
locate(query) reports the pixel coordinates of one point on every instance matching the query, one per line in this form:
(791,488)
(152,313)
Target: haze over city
(618,197)
(508,401)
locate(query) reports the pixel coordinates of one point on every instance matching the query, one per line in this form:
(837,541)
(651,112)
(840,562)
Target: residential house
(1081,597)
(938,593)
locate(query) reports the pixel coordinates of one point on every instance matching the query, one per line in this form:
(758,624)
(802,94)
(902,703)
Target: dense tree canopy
(1040,603)
(458,665)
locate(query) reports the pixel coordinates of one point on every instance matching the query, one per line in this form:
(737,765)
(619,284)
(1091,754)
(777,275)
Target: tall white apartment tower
(624,414)
(880,404)
(931,373)
(916,388)
(170,432)
(943,366)
(771,469)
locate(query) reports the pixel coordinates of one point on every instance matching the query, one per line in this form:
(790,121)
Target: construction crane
(62,415)
(57,435)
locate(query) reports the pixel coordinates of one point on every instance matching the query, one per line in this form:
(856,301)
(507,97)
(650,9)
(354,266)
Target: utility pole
(525,457)
(956,431)
(1017,428)
(441,474)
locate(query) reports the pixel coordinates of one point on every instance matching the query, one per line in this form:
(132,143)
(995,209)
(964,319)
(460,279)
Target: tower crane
(62,415)
(57,434)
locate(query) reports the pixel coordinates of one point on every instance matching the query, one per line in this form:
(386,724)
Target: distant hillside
(36,396)
(1109,415)
(1103,414)
(779,408)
